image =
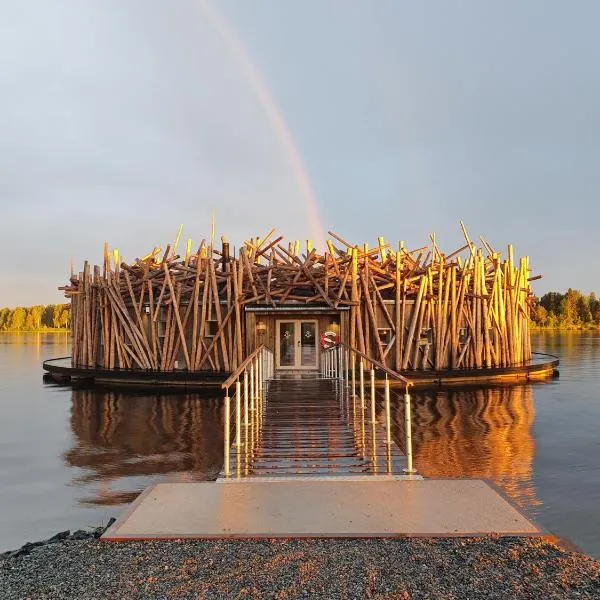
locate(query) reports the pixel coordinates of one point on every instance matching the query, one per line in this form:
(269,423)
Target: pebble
(78,565)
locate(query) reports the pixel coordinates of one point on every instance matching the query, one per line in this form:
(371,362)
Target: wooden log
(217,308)
(413,326)
(238,316)
(181,329)
(373,318)
(398,313)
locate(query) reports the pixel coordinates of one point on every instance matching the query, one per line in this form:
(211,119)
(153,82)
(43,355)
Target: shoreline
(79,565)
(49,330)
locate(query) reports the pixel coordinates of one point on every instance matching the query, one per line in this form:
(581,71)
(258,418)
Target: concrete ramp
(313,507)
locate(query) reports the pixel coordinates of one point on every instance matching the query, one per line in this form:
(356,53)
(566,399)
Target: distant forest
(35,318)
(571,310)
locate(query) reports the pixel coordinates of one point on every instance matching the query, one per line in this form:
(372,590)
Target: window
(212,327)
(426,336)
(385,335)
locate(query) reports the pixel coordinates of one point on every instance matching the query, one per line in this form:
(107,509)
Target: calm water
(73,458)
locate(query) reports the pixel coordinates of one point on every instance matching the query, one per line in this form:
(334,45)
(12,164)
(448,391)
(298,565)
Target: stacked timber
(409,309)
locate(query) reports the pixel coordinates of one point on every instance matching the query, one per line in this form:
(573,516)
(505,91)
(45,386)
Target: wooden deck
(310,464)
(311,426)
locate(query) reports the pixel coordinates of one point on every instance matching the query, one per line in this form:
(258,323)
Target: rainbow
(274,115)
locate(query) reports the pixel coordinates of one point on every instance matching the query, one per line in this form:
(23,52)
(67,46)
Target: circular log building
(195,317)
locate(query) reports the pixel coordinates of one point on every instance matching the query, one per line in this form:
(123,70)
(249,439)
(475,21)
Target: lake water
(72,458)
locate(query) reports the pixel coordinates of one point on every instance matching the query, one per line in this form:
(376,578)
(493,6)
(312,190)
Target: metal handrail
(380,366)
(334,364)
(236,374)
(257,369)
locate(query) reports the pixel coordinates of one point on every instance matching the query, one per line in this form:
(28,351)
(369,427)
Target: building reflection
(124,441)
(483,432)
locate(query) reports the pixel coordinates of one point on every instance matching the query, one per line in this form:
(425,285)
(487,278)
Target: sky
(122,119)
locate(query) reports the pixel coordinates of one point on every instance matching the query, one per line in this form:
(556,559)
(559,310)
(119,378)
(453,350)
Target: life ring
(329,339)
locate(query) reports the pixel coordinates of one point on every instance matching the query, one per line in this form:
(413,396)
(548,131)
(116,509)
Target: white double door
(296,344)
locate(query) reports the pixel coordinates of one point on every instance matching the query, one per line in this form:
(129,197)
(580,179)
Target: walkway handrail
(336,364)
(235,375)
(380,366)
(255,371)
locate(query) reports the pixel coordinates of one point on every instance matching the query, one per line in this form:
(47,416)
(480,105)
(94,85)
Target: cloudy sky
(121,119)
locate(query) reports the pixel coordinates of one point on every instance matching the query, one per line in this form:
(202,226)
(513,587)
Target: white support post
(256,383)
(226,432)
(408,430)
(353,359)
(238,414)
(246,398)
(346,366)
(362,383)
(261,373)
(252,394)
(388,417)
(336,362)
(373,419)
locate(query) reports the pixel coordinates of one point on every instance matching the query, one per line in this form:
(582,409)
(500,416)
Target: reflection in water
(483,433)
(124,436)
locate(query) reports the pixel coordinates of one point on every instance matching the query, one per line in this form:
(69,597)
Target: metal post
(252,395)
(336,362)
(362,431)
(261,373)
(408,430)
(388,417)
(362,383)
(226,441)
(332,354)
(346,366)
(373,419)
(257,382)
(353,374)
(246,398)
(238,414)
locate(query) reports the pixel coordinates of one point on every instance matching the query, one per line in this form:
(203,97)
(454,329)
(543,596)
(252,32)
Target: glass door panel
(287,344)
(308,346)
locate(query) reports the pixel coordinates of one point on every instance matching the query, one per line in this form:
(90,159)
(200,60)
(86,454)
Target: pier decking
(310,464)
(311,426)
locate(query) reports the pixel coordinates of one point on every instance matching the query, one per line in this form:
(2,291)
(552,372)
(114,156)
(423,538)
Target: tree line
(35,318)
(569,310)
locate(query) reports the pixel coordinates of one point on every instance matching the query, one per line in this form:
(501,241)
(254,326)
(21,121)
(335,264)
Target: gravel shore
(79,566)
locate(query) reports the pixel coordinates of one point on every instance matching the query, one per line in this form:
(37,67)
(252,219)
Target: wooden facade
(207,310)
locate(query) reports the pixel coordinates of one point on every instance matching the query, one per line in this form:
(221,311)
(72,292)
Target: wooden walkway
(309,426)
(310,464)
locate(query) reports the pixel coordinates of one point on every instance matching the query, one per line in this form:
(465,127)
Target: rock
(23,550)
(100,530)
(58,537)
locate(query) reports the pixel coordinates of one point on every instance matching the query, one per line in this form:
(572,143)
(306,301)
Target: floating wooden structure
(205,311)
